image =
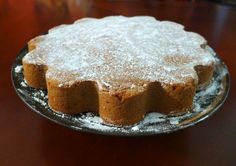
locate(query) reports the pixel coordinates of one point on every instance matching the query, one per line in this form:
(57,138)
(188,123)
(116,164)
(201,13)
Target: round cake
(119,67)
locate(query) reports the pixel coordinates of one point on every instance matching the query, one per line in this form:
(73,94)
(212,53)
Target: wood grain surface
(29,139)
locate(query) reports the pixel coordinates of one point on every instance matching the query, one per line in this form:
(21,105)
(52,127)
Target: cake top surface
(120,52)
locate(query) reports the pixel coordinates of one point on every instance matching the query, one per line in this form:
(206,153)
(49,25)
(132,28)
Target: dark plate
(206,102)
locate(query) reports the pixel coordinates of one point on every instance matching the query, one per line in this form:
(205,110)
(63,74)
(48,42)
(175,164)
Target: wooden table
(29,139)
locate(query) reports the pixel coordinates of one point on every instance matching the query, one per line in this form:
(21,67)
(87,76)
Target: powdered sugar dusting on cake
(119,51)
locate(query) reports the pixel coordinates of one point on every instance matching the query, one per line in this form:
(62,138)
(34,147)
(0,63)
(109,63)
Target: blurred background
(41,15)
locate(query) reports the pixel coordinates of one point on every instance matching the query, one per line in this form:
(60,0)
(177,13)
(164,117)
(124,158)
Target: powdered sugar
(40,97)
(92,121)
(174,121)
(18,68)
(23,84)
(118,51)
(150,118)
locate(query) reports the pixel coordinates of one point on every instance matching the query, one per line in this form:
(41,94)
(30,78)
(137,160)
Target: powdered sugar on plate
(40,97)
(18,68)
(23,84)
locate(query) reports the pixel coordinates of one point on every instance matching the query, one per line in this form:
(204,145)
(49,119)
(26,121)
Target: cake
(119,67)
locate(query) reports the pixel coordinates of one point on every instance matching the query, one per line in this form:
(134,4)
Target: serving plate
(206,102)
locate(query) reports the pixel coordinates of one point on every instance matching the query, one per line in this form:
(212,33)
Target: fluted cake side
(120,67)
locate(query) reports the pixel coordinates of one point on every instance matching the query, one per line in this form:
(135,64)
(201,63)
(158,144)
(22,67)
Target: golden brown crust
(122,107)
(80,97)
(127,107)
(204,74)
(35,75)
(171,99)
